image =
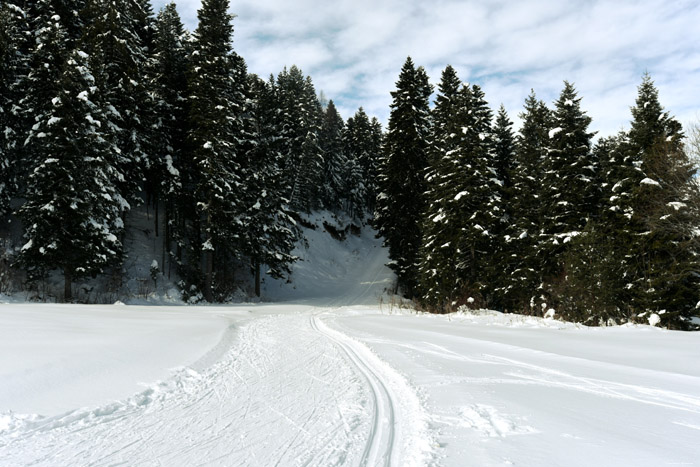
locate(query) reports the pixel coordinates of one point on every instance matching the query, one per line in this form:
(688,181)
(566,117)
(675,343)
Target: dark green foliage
(362,141)
(270,231)
(335,164)
(570,195)
(300,120)
(14,55)
(401,202)
(112,36)
(167,70)
(73,210)
(504,149)
(438,256)
(522,266)
(48,55)
(217,80)
(642,251)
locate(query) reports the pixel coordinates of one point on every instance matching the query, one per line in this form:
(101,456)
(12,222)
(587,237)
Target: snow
(677,205)
(649,181)
(554,131)
(328,370)
(459,195)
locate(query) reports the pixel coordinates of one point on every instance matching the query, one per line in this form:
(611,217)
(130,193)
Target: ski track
(290,391)
(379,449)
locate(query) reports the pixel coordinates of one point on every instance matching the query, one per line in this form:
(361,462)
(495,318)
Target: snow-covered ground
(336,375)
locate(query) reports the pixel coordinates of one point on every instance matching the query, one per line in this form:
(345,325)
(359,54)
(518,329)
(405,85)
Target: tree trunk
(207,270)
(166,240)
(67,290)
(257,278)
(156,202)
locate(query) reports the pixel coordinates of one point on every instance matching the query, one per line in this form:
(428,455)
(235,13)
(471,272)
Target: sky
(354,49)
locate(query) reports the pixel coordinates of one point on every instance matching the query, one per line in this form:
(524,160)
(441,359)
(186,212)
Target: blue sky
(354,49)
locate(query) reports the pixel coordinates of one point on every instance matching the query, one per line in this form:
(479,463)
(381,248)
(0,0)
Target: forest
(106,106)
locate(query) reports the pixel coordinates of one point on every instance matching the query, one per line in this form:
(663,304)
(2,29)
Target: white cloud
(354,49)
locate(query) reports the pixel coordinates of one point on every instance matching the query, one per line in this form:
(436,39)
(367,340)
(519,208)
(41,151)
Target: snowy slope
(335,375)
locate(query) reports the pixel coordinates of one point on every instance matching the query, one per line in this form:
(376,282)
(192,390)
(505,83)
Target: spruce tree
(503,166)
(438,255)
(300,124)
(217,94)
(362,140)
(664,210)
(13,69)
(73,210)
(401,203)
(270,231)
(523,266)
(335,163)
(168,85)
(49,51)
(570,195)
(478,203)
(113,34)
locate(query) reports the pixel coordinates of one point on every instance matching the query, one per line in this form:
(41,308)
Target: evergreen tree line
(543,221)
(105,106)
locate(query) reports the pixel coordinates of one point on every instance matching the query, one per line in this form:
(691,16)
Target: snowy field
(330,374)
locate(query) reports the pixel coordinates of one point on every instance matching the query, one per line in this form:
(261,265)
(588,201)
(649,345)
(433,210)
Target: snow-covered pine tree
(665,206)
(598,262)
(300,124)
(570,195)
(372,163)
(335,162)
(478,208)
(217,95)
(362,141)
(402,185)
(438,253)
(503,165)
(113,33)
(168,84)
(523,266)
(13,69)
(73,210)
(270,231)
(49,51)
(354,189)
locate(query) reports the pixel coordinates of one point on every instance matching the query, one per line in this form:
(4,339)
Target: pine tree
(48,53)
(112,33)
(217,82)
(73,210)
(168,83)
(598,263)
(401,203)
(362,141)
(523,266)
(13,69)
(503,164)
(300,124)
(664,210)
(478,204)
(335,162)
(270,231)
(438,255)
(570,196)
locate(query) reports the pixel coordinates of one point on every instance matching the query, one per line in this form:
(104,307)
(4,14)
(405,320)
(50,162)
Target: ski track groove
(291,391)
(379,449)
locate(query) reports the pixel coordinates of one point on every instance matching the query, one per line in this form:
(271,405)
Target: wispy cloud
(354,49)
